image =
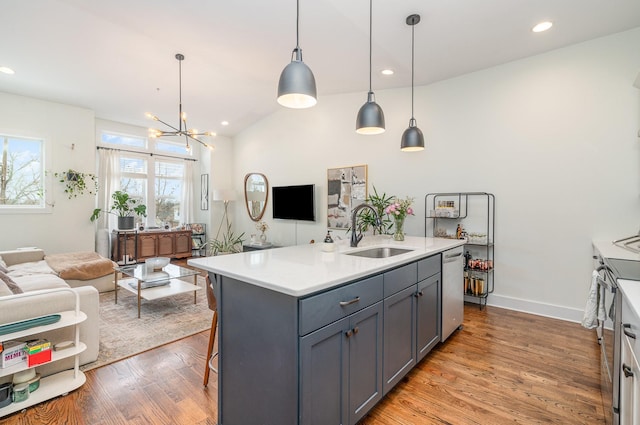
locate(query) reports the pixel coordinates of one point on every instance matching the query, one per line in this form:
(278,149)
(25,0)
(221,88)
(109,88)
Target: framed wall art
(346,189)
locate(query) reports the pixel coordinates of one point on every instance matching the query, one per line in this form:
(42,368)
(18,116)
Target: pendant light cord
(180,95)
(298,24)
(413,28)
(370,38)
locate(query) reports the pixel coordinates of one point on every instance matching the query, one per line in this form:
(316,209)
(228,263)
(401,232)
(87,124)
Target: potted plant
(229,244)
(77,183)
(125,208)
(379,203)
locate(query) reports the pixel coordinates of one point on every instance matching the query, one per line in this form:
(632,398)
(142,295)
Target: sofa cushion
(36,282)
(9,284)
(28,269)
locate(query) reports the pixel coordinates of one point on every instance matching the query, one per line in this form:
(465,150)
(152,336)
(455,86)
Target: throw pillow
(3,266)
(13,287)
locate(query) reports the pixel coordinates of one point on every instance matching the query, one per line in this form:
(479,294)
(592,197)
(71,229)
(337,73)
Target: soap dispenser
(328,245)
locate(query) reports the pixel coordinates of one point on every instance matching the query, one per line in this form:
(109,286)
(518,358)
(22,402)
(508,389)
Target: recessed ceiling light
(542,26)
(224,123)
(7,70)
(387,72)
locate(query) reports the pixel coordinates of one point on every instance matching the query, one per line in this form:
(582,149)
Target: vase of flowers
(262,227)
(399,210)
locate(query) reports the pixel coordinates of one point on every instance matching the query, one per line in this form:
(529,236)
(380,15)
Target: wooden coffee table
(154,284)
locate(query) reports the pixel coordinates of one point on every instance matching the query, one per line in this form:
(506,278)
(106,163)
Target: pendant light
(297,86)
(182,129)
(370,116)
(412,138)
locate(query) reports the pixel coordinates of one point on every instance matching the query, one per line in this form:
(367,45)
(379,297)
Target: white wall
(67,226)
(554,137)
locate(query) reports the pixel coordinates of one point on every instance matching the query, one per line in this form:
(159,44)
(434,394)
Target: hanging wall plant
(77,183)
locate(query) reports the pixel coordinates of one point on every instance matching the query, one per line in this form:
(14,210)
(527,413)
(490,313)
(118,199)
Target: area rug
(161,321)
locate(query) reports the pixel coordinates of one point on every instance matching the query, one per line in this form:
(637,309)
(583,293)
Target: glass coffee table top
(149,284)
(170,271)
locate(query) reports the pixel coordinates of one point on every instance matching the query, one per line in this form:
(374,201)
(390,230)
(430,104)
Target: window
(153,180)
(168,191)
(21,173)
(123,140)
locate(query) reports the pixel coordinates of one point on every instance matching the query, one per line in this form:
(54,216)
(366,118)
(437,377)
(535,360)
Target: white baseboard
(541,309)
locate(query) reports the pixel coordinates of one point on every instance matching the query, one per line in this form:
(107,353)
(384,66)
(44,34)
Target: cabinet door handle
(356,330)
(627,371)
(346,303)
(419,294)
(457,254)
(625,327)
(349,333)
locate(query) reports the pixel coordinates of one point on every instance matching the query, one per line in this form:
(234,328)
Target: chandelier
(183,129)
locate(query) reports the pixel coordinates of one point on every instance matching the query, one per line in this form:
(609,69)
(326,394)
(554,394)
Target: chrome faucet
(355,238)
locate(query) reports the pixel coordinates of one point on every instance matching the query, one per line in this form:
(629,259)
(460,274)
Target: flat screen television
(294,202)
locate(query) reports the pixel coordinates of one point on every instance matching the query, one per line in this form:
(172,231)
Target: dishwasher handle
(449,258)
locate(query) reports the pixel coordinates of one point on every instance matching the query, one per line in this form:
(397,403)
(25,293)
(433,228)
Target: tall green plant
(230,243)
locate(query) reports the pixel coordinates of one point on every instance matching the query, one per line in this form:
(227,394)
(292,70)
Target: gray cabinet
(411,317)
(327,358)
(427,315)
(399,336)
(341,369)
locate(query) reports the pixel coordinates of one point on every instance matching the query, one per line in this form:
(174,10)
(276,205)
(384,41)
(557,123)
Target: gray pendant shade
(370,117)
(297,85)
(412,138)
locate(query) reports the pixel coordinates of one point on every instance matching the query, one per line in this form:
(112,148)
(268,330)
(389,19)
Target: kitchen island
(307,336)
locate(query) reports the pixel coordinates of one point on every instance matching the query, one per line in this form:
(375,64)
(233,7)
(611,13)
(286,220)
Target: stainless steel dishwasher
(452,293)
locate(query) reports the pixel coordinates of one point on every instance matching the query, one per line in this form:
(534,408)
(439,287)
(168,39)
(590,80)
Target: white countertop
(608,249)
(304,269)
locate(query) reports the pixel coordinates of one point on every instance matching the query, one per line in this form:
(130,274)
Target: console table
(132,246)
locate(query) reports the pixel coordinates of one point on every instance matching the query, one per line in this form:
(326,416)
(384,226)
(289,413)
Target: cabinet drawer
(322,309)
(400,278)
(428,267)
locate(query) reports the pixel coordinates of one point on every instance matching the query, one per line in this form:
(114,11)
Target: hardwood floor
(502,367)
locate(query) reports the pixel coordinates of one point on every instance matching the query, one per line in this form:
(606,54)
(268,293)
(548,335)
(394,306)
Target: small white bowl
(157,263)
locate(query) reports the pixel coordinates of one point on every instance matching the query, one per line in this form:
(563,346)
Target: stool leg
(212,337)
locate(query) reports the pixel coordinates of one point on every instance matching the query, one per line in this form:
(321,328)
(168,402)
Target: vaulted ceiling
(117,57)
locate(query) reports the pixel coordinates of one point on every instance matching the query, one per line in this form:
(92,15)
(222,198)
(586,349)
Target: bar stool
(213,305)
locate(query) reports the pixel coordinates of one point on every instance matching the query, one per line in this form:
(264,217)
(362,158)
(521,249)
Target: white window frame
(47,202)
(149,155)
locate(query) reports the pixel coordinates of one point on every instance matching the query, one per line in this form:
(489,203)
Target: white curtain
(109,182)
(186,205)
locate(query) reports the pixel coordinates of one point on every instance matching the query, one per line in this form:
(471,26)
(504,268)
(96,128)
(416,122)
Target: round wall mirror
(256,193)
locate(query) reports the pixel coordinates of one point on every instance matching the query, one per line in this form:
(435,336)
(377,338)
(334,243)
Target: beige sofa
(28,270)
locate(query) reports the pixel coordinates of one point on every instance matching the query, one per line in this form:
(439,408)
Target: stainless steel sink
(379,252)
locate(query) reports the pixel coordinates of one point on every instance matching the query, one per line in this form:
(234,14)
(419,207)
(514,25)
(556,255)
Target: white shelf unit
(59,383)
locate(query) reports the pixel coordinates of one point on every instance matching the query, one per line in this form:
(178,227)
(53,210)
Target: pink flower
(410,211)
